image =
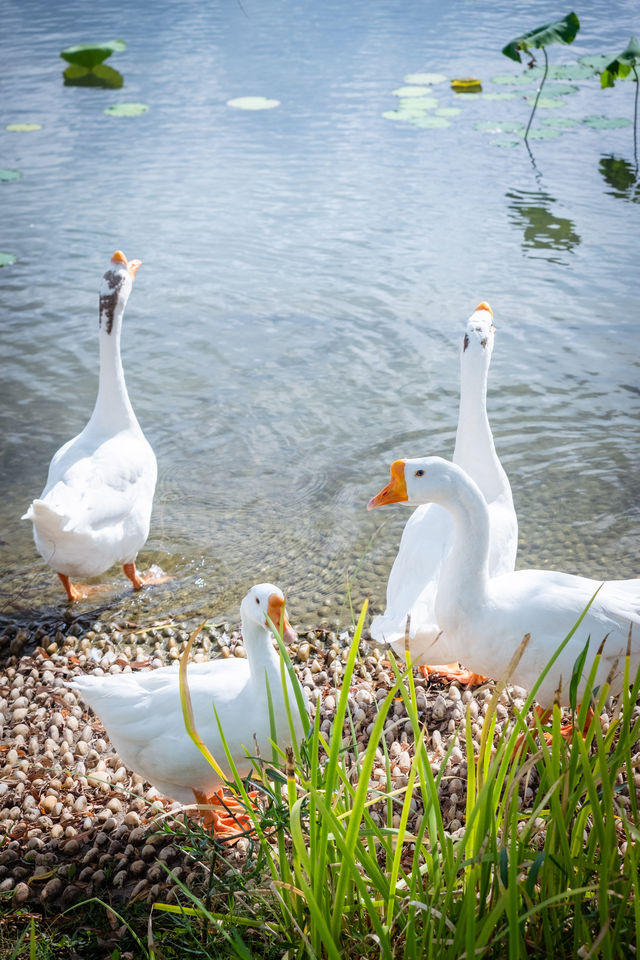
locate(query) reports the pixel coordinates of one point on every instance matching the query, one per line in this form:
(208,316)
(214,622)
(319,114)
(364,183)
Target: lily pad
(567,123)
(6,259)
(597,61)
(411,91)
(499,96)
(448,111)
(89,55)
(126,109)
(425,78)
(516,79)
(504,142)
(606,123)
(499,126)
(7,175)
(253,103)
(428,123)
(546,103)
(560,89)
(418,104)
(570,71)
(544,133)
(24,127)
(100,76)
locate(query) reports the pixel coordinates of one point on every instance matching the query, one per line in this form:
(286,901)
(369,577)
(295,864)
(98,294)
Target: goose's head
(421,480)
(478,337)
(115,289)
(265,602)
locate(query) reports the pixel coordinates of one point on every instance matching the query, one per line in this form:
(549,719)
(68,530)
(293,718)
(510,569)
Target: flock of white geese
(452,595)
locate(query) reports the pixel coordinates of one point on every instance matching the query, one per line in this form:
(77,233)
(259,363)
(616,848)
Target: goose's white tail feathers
(48,520)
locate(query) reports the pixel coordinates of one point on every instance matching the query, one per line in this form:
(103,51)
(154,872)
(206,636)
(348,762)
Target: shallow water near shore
(307,274)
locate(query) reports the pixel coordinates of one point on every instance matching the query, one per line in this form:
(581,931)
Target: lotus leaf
(558,31)
(91,54)
(126,109)
(411,91)
(6,259)
(253,103)
(24,127)
(606,123)
(8,175)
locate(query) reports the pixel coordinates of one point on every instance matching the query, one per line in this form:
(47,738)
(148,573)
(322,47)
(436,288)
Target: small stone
(21,893)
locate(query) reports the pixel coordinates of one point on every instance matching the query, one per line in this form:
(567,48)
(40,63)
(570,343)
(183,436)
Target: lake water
(307,272)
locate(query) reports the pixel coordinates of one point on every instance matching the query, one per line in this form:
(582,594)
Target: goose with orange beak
(95,509)
(483,619)
(143,717)
(428,534)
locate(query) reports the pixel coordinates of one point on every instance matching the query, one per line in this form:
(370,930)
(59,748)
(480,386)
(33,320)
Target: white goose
(428,535)
(485,618)
(142,714)
(96,506)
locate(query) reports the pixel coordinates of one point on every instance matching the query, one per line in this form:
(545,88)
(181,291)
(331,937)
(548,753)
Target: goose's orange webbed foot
(155,575)
(453,673)
(224,815)
(82,591)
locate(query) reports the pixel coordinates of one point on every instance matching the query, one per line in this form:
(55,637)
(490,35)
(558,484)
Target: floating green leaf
(448,111)
(546,103)
(427,123)
(91,54)
(24,127)
(101,76)
(606,123)
(499,96)
(7,175)
(418,104)
(571,71)
(564,122)
(560,89)
(558,31)
(411,91)
(425,78)
(497,126)
(253,103)
(6,259)
(546,133)
(511,79)
(504,142)
(596,62)
(126,109)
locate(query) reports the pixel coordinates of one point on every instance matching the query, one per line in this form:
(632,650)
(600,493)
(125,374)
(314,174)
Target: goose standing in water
(484,617)
(428,535)
(95,509)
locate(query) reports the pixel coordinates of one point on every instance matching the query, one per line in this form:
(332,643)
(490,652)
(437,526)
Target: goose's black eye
(419,473)
(258,600)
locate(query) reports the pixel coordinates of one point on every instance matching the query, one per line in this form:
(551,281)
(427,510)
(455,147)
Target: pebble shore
(77,823)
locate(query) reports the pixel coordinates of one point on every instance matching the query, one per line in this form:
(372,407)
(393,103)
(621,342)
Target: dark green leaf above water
(7,175)
(101,76)
(558,31)
(623,64)
(6,259)
(89,55)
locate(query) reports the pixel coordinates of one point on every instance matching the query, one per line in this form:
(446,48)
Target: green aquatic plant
(625,63)
(558,31)
(126,109)
(87,67)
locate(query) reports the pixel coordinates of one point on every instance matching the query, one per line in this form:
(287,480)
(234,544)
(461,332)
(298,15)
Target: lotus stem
(635,121)
(544,77)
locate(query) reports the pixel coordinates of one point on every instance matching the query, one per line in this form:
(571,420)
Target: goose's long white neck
(475,450)
(464,578)
(261,655)
(113,410)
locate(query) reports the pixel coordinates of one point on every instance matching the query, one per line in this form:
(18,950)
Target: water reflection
(542,229)
(621,177)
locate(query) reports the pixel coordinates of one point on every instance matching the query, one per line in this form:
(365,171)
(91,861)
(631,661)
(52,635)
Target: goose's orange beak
(395,491)
(484,306)
(131,265)
(278,616)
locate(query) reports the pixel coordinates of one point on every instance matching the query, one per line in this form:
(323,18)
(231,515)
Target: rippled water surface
(307,272)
